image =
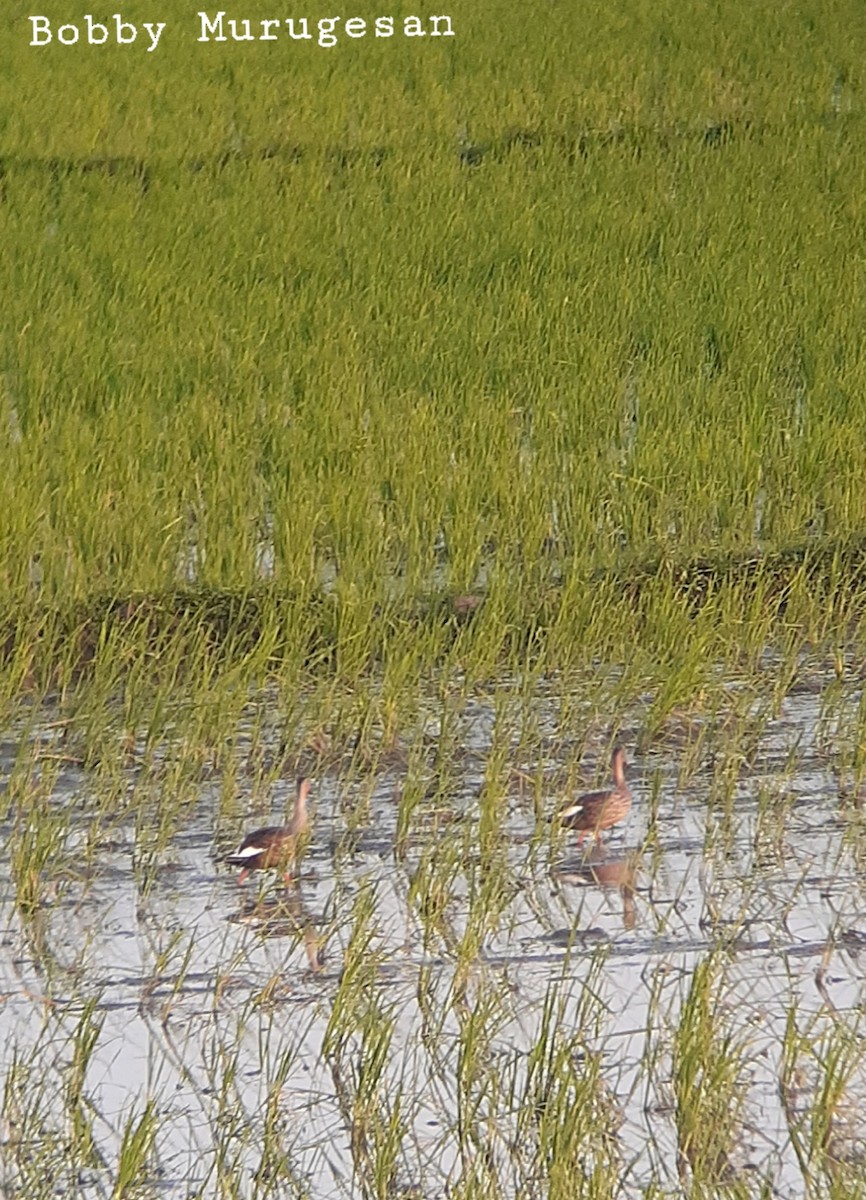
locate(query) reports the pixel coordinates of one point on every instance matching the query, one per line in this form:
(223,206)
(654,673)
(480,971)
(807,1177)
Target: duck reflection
(599,869)
(283,915)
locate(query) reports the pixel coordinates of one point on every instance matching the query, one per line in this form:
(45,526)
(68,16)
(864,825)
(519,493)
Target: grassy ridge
(431,313)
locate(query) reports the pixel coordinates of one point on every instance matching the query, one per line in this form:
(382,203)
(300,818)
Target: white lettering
(326,31)
(241,37)
(154,33)
(214,27)
(92,27)
(45,28)
(290,21)
(121,25)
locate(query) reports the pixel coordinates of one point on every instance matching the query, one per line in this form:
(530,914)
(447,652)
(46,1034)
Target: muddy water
(214,1001)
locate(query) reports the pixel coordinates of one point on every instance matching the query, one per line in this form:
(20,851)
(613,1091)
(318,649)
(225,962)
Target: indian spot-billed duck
(274,847)
(595,811)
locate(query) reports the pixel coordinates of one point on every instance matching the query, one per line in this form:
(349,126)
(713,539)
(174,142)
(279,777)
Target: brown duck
(595,811)
(274,847)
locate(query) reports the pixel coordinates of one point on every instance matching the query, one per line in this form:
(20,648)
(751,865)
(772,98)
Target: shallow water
(215,1001)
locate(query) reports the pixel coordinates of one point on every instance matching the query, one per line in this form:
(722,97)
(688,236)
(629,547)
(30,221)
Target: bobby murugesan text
(218,27)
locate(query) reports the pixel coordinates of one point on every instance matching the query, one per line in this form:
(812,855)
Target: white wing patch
(572,810)
(247,851)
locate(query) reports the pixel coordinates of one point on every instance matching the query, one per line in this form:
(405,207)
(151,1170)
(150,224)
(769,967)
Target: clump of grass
(35,1147)
(135,1161)
(171,964)
(433,890)
(276,1168)
(481,1011)
(357,1046)
(821,1088)
(37,851)
(707,1074)
(566,1139)
(774,806)
(80,1112)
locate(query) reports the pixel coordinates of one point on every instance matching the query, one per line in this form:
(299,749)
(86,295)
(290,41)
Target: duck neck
(299,818)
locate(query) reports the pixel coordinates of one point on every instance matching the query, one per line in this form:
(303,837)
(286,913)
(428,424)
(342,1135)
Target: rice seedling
(566,1137)
(821,1078)
(358,978)
(136,1150)
(707,1083)
(80,1112)
(276,1169)
(774,808)
(37,848)
(35,1148)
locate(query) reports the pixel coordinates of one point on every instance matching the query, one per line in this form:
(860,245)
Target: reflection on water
(603,870)
(232,1009)
(284,917)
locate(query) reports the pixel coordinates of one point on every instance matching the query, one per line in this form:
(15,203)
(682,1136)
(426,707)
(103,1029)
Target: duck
(275,846)
(595,811)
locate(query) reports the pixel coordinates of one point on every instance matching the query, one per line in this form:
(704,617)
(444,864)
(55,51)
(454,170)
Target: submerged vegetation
(426,419)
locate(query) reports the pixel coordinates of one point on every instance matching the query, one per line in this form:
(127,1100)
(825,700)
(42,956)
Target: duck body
(274,847)
(596,811)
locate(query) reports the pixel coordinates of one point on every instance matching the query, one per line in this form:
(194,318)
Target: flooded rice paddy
(454,999)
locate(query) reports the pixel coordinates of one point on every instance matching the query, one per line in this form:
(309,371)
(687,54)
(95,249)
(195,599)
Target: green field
(400,319)
(425,414)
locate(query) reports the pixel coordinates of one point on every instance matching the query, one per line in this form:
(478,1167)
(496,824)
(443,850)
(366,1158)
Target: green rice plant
(357,985)
(484,862)
(489,892)
(492,801)
(820,1079)
(684,679)
(566,1140)
(357,1046)
(135,1161)
(276,1169)
(481,1010)
(156,822)
(774,807)
(85,1037)
(35,1149)
(226,1113)
(37,849)
(433,889)
(651,841)
(707,1073)
(376,1125)
(164,967)
(411,800)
